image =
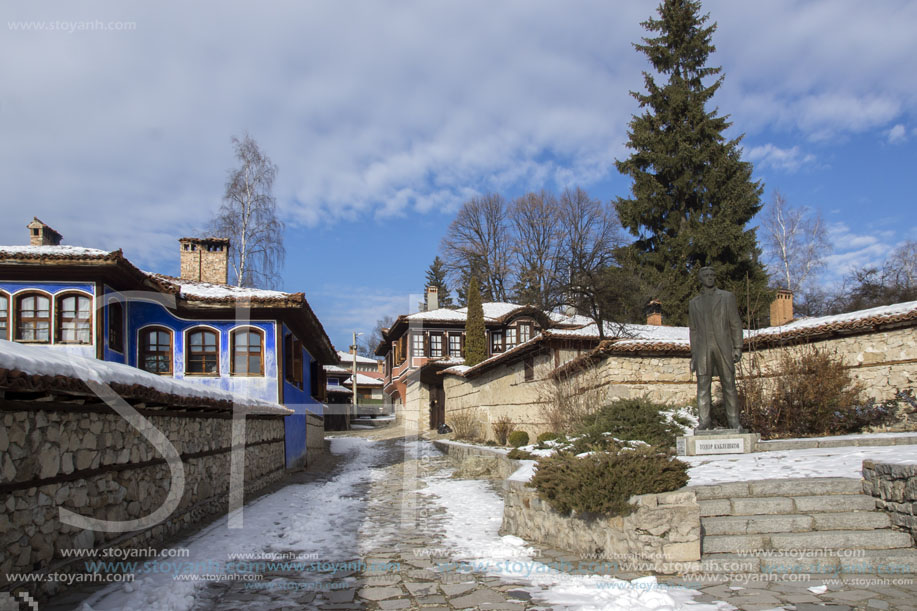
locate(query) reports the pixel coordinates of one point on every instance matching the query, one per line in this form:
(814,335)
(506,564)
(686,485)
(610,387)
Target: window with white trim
(496,342)
(202,354)
(417,345)
(510,338)
(156,350)
(74,319)
(33,318)
(455,345)
(4,316)
(436,345)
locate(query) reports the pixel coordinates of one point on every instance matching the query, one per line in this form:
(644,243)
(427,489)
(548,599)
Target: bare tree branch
(478,244)
(248,217)
(796,241)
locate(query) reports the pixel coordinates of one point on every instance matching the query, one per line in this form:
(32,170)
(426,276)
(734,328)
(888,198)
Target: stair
(805,525)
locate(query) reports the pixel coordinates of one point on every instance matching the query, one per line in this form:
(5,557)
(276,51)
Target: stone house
(260,344)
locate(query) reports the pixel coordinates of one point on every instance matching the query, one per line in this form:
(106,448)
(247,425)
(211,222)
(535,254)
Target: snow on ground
(846,461)
(475,513)
(318,520)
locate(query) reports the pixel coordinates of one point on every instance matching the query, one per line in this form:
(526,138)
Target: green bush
(518,454)
(518,438)
(631,419)
(549,436)
(602,483)
(502,428)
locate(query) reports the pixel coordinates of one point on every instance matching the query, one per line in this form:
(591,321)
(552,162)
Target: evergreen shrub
(601,484)
(632,419)
(518,438)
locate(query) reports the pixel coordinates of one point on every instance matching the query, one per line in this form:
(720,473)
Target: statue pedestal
(717,441)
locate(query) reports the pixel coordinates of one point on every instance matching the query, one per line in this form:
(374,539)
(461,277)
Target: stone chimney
(205,259)
(432,298)
(42,235)
(782,308)
(654,313)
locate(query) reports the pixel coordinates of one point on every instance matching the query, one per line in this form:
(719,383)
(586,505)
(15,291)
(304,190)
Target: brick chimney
(654,313)
(782,308)
(205,259)
(42,235)
(432,298)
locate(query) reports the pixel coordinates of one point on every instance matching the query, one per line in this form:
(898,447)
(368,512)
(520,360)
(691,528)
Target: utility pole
(353,379)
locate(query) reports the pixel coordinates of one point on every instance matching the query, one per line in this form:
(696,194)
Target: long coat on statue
(727,331)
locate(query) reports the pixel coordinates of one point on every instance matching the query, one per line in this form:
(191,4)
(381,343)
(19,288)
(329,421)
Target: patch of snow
(206,290)
(319,520)
(46,361)
(473,518)
(348,358)
(845,461)
(53,251)
(364,380)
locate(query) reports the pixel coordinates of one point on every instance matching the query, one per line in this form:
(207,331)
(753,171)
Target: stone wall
(662,534)
(315,437)
(883,362)
(414,412)
(895,489)
(94,463)
(502,391)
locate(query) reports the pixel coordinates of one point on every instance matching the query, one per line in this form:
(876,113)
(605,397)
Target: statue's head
(707,276)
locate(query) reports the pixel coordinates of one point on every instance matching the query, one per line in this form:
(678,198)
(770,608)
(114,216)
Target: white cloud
(770,155)
(385,109)
(897,134)
(855,250)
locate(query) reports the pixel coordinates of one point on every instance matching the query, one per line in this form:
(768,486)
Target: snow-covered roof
(347,357)
(337,388)
(61,251)
(336,370)
(493,311)
(50,362)
(872,316)
(206,290)
(364,380)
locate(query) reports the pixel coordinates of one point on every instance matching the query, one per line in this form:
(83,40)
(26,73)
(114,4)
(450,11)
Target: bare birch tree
(248,217)
(478,244)
(796,241)
(536,250)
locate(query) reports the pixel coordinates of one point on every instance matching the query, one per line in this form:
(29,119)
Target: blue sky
(115,121)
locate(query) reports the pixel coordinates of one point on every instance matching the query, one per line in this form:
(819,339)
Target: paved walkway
(401,544)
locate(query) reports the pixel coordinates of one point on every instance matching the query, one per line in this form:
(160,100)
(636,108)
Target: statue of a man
(716,346)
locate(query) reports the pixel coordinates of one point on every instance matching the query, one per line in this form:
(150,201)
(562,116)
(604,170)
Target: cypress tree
(475,339)
(692,194)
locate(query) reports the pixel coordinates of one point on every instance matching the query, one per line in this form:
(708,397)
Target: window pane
(4,316)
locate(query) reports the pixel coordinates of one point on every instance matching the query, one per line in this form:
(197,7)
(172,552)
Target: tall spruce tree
(436,276)
(692,194)
(475,339)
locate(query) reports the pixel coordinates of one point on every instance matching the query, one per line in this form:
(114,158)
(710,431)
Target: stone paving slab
(410,587)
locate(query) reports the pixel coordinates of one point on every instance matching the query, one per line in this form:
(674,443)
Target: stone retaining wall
(663,534)
(92,462)
(895,489)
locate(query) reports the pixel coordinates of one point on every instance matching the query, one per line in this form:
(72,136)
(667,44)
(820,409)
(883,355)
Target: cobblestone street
(404,562)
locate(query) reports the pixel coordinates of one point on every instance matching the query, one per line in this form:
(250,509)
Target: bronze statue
(716,346)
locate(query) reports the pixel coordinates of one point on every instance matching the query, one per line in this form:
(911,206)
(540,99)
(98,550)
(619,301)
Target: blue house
(256,343)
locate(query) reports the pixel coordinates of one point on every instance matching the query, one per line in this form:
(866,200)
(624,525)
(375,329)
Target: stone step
(750,506)
(815,486)
(808,541)
(786,523)
(888,563)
